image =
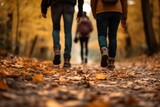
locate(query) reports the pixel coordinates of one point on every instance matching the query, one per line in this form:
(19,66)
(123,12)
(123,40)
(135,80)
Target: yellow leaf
(53,103)
(26,73)
(101,76)
(3,86)
(38,78)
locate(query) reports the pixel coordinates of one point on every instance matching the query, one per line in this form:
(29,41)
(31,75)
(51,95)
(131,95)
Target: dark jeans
(67,11)
(107,24)
(84,47)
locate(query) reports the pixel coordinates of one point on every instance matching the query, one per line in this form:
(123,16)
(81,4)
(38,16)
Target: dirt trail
(28,82)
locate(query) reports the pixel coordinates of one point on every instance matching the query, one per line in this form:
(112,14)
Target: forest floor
(26,82)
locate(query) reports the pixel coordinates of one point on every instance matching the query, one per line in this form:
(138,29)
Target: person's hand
(124,23)
(44,15)
(78,18)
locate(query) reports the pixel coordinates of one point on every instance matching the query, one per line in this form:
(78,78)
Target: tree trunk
(148,27)
(8,40)
(17,31)
(128,46)
(159,21)
(33,46)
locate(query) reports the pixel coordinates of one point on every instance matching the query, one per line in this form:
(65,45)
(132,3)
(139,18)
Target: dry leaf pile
(28,82)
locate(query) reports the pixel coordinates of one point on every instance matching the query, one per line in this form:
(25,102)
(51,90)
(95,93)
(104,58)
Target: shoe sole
(67,66)
(111,68)
(56,60)
(104,61)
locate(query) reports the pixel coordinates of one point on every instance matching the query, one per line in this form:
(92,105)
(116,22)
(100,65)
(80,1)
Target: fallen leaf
(116,94)
(101,76)
(125,68)
(132,100)
(76,78)
(26,73)
(38,78)
(98,104)
(72,103)
(52,103)
(63,79)
(9,96)
(3,85)
(13,75)
(157,88)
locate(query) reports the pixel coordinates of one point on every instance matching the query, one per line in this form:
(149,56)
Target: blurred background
(24,32)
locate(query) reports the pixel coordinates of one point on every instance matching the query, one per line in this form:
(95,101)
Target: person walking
(84,28)
(63,8)
(108,14)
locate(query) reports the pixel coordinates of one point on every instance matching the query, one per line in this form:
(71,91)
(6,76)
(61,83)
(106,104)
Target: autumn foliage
(26,82)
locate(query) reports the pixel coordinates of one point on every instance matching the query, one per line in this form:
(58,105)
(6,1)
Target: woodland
(28,77)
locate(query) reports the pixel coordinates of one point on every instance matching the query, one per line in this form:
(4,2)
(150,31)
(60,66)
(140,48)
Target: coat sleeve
(44,6)
(80,8)
(124,9)
(93,4)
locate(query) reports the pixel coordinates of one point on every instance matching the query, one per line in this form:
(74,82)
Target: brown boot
(111,65)
(67,62)
(56,60)
(104,58)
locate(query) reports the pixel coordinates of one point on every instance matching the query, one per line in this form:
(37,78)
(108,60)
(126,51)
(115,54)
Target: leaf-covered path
(28,82)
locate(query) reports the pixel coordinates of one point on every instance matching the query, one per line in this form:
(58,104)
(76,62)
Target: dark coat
(46,3)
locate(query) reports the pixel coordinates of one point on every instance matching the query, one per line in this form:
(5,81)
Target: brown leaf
(38,78)
(3,85)
(122,74)
(63,79)
(9,96)
(13,74)
(132,100)
(158,88)
(99,104)
(75,78)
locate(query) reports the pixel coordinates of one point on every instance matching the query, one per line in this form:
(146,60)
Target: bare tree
(148,27)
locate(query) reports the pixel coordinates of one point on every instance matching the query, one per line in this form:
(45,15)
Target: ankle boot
(67,62)
(111,65)
(56,60)
(85,60)
(104,57)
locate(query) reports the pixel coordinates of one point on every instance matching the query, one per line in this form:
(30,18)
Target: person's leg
(86,49)
(68,13)
(113,27)
(102,23)
(81,44)
(56,15)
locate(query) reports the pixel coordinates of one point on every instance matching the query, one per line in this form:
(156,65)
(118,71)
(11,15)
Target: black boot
(56,60)
(85,60)
(67,63)
(111,65)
